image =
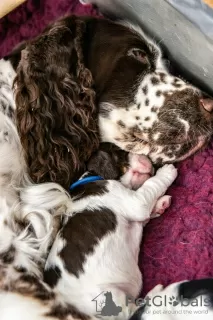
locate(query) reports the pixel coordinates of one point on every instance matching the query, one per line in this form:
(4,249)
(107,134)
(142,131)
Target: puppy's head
(112,163)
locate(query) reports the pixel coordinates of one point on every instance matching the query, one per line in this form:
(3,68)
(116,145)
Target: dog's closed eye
(139,55)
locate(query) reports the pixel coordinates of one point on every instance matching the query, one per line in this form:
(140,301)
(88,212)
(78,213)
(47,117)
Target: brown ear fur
(56,113)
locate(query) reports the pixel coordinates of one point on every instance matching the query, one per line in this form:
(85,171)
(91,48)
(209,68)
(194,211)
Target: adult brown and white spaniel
(84,79)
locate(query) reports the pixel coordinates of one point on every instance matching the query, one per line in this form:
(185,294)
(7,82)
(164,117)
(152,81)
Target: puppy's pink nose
(207,104)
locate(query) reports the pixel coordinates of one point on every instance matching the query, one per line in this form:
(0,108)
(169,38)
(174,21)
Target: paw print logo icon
(173,301)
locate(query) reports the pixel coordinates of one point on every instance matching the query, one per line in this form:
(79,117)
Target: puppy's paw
(161,205)
(167,171)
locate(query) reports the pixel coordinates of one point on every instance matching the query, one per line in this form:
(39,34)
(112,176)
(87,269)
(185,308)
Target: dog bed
(178,245)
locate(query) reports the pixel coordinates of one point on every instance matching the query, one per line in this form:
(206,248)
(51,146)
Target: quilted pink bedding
(179,245)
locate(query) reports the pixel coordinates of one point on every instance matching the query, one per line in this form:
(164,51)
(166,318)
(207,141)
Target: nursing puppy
(186,300)
(96,251)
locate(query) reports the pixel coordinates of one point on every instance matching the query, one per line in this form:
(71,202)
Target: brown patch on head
(96,224)
(147,119)
(155,81)
(147,102)
(145,89)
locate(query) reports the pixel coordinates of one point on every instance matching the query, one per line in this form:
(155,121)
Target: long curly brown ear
(56,113)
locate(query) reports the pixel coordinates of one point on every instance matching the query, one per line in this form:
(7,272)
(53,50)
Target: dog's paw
(168,171)
(161,205)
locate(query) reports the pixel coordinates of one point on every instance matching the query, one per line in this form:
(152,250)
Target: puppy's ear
(56,114)
(103,164)
(109,161)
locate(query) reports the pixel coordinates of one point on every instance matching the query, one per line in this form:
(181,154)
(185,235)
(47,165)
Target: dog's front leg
(155,187)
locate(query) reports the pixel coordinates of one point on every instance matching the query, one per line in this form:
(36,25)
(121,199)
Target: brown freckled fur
(121,124)
(154,109)
(129,147)
(145,89)
(147,102)
(137,118)
(147,119)
(155,81)
(158,93)
(162,77)
(177,85)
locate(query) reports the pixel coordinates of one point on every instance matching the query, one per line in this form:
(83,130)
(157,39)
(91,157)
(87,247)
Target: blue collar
(84,181)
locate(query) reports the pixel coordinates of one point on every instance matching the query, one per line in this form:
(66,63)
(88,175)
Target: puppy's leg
(161,205)
(155,187)
(138,205)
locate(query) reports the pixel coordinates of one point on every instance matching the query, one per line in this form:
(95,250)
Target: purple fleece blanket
(178,245)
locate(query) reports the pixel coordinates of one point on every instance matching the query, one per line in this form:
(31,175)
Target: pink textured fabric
(30,19)
(179,245)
